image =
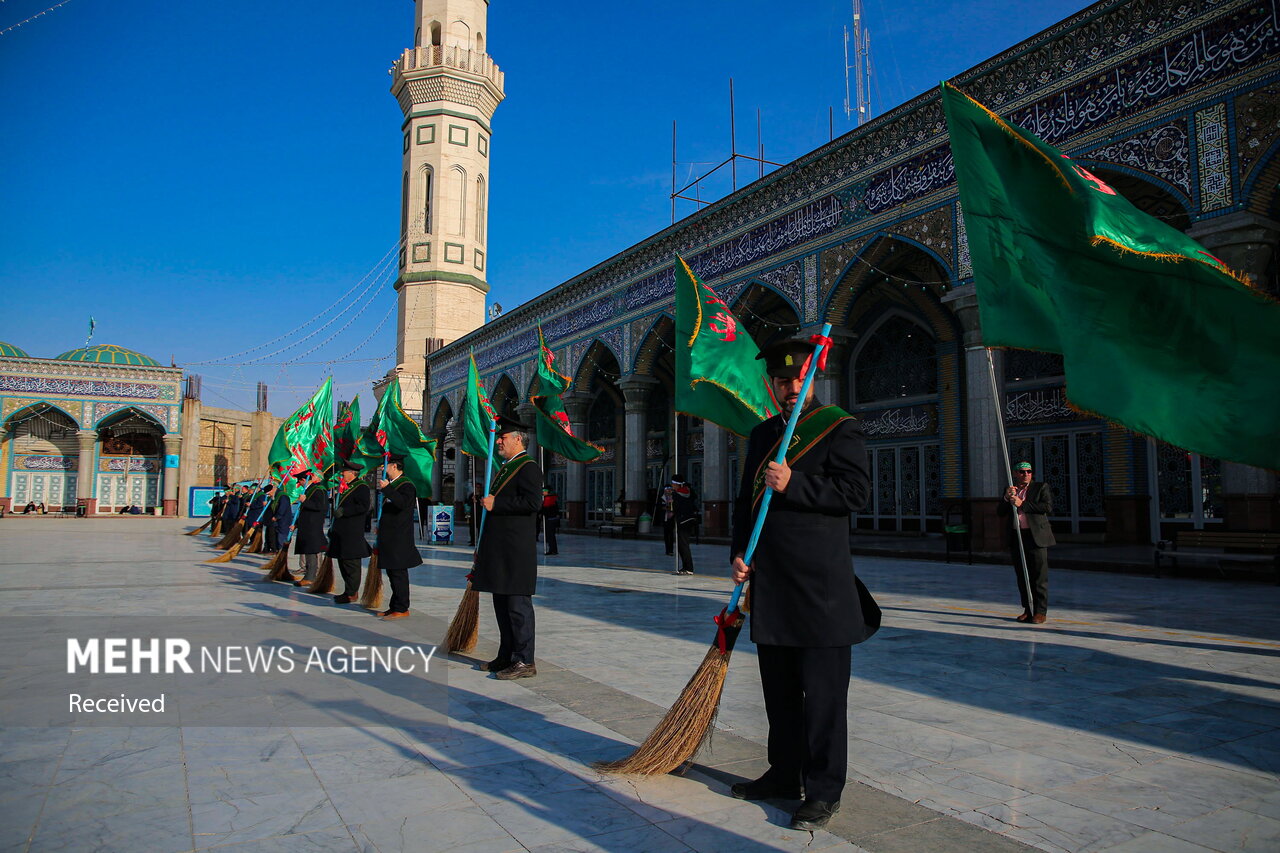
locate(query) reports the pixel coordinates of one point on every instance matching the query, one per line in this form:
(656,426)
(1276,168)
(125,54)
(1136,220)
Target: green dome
(109,354)
(10,351)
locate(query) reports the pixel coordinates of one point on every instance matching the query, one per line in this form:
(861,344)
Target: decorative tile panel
(1164,152)
(1214,157)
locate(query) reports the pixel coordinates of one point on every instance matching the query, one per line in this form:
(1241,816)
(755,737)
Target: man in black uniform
(347,544)
(1034,503)
(270,541)
(309,539)
(685,516)
(397,551)
(807,607)
(282,519)
(506,559)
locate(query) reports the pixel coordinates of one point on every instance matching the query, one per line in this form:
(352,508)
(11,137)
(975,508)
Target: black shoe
(342,599)
(551,553)
(814,814)
(765,788)
(495,665)
(519,669)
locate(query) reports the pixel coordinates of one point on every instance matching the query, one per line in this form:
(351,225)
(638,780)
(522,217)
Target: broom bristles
(231,537)
(678,736)
(255,546)
(228,556)
(198,529)
(323,584)
(464,630)
(216,530)
(277,567)
(371,598)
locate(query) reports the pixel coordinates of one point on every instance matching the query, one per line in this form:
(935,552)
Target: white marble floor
(1143,716)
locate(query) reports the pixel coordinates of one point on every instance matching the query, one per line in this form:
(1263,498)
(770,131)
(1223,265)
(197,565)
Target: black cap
(399,460)
(348,465)
(306,472)
(268,487)
(785,359)
(506,425)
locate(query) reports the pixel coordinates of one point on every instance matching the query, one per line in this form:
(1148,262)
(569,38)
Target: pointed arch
(505,398)
(130,414)
(767,313)
(34,409)
(599,362)
(656,355)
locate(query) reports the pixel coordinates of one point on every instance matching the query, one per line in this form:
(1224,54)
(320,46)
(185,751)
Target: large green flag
(477,415)
(718,377)
(304,442)
(552,421)
(346,437)
(1155,333)
(394,431)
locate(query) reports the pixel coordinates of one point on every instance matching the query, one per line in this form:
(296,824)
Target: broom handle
(780,458)
(488,471)
(297,513)
(263,510)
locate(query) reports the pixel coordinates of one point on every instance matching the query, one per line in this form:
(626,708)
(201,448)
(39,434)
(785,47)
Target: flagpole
(675,468)
(1008,476)
(488,470)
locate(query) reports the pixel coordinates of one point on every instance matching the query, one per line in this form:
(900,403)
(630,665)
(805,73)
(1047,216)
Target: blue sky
(204,177)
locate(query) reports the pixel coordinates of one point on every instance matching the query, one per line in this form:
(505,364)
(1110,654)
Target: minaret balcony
(432,59)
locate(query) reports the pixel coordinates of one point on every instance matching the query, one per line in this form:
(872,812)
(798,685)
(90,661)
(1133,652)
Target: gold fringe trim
(1174,257)
(1009,129)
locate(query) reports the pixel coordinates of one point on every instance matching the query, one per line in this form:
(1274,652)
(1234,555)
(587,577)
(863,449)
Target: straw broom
(323,584)
(255,544)
(464,628)
(216,530)
(232,536)
(371,597)
(681,732)
(200,528)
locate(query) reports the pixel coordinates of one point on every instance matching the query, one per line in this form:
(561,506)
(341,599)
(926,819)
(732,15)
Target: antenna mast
(860,109)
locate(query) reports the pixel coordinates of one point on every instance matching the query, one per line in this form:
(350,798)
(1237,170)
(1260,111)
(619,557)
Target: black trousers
(1037,569)
(669,534)
(551,526)
(350,577)
(683,531)
(399,580)
(515,627)
(806,696)
(272,537)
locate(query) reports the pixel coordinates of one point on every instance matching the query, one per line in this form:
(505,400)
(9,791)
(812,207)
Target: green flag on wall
(1155,334)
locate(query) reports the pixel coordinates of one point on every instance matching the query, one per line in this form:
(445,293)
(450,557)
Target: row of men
(265,506)
(808,606)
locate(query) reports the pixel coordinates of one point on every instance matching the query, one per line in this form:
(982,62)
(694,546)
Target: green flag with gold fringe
(1155,334)
(477,415)
(304,442)
(718,377)
(554,430)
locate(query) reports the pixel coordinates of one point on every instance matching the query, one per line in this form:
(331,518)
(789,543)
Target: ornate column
(528,415)
(986,475)
(716,487)
(1246,242)
(86,487)
(169,495)
(635,392)
(576,404)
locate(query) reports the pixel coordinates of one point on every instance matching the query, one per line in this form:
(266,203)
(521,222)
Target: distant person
(346,534)
(397,550)
(550,513)
(684,511)
(309,539)
(1034,504)
(667,513)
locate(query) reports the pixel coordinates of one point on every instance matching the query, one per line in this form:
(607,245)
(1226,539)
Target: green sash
(811,429)
(355,484)
(508,470)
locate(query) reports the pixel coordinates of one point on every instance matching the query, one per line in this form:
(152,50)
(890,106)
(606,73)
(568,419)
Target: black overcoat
(255,508)
(230,510)
(346,534)
(309,537)
(283,512)
(1037,507)
(396,547)
(507,558)
(803,590)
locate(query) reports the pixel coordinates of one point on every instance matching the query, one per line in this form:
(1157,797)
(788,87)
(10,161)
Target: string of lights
(33,17)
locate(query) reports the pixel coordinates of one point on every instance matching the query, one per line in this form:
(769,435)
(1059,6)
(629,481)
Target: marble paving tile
(255,818)
(98,791)
(389,799)
(1250,755)
(1025,770)
(336,839)
(537,819)
(747,827)
(463,828)
(361,766)
(140,829)
(1093,753)
(1206,781)
(1268,805)
(1053,825)
(1231,829)
(1158,842)
(1146,805)
(1209,725)
(20,809)
(668,797)
(497,782)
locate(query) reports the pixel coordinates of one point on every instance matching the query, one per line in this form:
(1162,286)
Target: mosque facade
(1176,104)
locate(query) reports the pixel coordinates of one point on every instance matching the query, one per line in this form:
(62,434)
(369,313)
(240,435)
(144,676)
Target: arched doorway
(598,378)
(130,461)
(44,456)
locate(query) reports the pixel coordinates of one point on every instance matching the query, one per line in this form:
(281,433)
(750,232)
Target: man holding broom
(397,550)
(347,544)
(506,558)
(309,539)
(807,606)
